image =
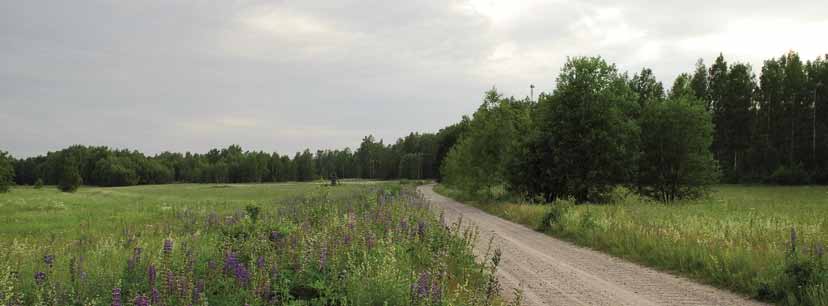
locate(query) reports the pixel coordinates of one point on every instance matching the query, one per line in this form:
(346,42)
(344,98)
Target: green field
(360,243)
(739,238)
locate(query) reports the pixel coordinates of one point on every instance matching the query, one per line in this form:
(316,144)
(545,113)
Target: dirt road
(554,272)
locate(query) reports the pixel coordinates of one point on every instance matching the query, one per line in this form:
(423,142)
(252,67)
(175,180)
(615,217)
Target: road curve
(554,272)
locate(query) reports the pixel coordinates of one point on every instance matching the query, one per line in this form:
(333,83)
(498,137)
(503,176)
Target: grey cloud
(285,75)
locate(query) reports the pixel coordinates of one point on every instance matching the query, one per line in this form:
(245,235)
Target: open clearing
(554,272)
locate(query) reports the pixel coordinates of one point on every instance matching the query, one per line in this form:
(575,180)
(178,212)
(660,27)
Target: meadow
(359,243)
(763,241)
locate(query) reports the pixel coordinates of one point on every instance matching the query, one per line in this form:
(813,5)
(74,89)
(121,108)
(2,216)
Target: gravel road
(554,272)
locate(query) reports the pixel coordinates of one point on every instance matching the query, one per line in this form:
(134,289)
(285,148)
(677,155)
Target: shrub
(70,178)
(38,184)
(793,175)
(675,161)
(555,215)
(6,172)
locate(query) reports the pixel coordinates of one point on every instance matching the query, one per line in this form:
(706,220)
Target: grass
(739,238)
(256,244)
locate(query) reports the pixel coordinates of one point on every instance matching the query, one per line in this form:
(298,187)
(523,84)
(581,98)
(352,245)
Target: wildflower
(49,260)
(155,297)
(404,226)
(116,296)
(275,236)
(420,289)
(346,239)
(168,246)
(421,229)
(436,292)
(230,262)
(323,258)
(242,275)
(197,290)
(260,262)
(137,252)
(151,275)
(141,300)
(170,282)
(40,277)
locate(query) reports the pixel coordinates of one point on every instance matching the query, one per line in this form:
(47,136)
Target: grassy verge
(256,244)
(766,242)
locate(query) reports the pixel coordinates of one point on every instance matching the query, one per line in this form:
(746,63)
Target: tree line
(600,129)
(411,157)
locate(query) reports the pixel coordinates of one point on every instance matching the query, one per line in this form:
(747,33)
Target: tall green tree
(649,89)
(481,158)
(676,162)
(587,139)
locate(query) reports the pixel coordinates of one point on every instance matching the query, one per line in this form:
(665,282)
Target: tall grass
(767,242)
(178,245)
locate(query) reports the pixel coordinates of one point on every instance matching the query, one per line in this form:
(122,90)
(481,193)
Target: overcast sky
(286,75)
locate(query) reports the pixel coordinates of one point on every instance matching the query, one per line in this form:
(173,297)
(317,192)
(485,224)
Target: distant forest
(767,129)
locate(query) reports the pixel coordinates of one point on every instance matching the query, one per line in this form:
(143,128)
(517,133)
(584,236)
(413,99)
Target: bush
(676,162)
(794,175)
(6,172)
(555,215)
(70,178)
(38,184)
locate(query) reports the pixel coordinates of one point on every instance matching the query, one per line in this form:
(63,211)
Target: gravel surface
(554,272)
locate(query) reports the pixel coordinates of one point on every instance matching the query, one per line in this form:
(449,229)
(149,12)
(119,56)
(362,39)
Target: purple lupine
(40,277)
(323,258)
(436,292)
(404,226)
(275,236)
(274,271)
(197,290)
(151,275)
(421,229)
(260,262)
(420,289)
(116,296)
(170,282)
(155,297)
(346,239)
(141,300)
(168,246)
(230,262)
(242,275)
(49,260)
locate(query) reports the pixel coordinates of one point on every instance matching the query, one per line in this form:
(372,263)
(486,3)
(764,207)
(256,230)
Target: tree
(70,178)
(700,86)
(481,158)
(649,90)
(586,139)
(681,87)
(676,162)
(6,172)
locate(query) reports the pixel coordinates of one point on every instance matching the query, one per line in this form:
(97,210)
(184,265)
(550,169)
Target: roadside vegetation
(263,244)
(622,165)
(762,241)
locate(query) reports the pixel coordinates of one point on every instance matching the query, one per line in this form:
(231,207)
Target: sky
(288,75)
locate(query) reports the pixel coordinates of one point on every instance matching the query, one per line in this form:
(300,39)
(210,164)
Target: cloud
(285,75)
